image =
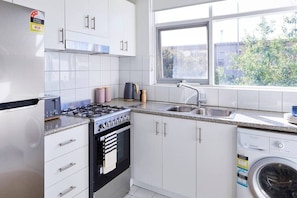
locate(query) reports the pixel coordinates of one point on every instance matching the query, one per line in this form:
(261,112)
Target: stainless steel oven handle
(123,129)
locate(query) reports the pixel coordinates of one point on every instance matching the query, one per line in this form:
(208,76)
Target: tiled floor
(137,192)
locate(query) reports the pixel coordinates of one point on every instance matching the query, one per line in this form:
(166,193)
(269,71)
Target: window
(248,45)
(183,54)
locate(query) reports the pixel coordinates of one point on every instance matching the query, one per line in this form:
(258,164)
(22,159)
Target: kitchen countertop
(62,123)
(243,118)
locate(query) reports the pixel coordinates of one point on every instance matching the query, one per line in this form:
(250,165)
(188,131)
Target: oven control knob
(106,125)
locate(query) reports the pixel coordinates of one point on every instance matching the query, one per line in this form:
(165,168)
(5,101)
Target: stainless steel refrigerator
(21,104)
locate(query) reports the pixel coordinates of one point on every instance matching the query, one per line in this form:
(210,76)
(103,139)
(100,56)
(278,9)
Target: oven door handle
(123,129)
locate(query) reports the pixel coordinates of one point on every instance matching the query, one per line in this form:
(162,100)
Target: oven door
(100,152)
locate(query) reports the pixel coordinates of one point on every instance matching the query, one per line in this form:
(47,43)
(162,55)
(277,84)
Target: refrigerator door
(21,151)
(21,53)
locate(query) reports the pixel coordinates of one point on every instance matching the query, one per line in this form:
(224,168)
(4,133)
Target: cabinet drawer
(66,165)
(66,141)
(69,187)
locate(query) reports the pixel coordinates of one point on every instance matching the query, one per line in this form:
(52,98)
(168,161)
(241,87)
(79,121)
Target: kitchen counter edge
(62,123)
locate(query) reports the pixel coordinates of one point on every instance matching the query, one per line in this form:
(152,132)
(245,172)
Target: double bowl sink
(215,112)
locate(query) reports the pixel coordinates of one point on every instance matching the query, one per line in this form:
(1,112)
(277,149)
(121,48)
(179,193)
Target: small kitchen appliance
(130,90)
(109,148)
(52,107)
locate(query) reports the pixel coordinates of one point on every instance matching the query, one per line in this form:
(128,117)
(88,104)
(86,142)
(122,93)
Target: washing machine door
(273,177)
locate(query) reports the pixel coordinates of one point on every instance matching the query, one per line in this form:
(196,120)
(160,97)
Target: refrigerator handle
(18,104)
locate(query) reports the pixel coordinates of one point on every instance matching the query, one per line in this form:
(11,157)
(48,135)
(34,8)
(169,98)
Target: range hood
(85,43)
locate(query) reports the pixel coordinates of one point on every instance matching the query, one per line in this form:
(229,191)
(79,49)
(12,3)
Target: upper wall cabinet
(122,28)
(88,17)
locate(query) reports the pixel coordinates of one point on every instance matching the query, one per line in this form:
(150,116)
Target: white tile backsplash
(67,80)
(248,99)
(75,76)
(270,100)
(227,97)
(176,95)
(289,99)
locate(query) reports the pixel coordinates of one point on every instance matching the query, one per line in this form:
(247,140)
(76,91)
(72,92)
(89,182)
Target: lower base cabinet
(66,163)
(185,157)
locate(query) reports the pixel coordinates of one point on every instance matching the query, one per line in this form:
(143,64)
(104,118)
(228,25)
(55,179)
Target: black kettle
(130,90)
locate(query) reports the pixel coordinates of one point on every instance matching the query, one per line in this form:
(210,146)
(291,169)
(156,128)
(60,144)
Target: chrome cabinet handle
(71,188)
(67,142)
(66,167)
(87,21)
(157,127)
(122,45)
(93,23)
(61,31)
(126,43)
(199,137)
(165,129)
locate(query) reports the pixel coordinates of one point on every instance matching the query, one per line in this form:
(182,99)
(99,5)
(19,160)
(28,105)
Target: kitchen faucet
(199,101)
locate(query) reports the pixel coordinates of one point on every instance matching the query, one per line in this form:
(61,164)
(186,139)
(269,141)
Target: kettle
(130,90)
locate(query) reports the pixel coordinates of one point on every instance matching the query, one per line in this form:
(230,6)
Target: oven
(109,149)
(113,145)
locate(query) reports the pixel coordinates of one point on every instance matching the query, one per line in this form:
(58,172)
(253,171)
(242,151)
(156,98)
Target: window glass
(250,45)
(257,51)
(184,53)
(181,14)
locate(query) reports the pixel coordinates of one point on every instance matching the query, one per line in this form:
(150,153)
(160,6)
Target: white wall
(74,77)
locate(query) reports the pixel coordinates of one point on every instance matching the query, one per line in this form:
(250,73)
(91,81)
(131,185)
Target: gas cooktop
(92,110)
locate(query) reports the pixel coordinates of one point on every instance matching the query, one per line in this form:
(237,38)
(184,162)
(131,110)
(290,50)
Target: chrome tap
(199,101)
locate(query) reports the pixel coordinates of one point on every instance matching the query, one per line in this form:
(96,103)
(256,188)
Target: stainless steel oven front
(109,158)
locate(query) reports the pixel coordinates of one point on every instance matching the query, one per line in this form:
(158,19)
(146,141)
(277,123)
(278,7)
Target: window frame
(209,21)
(159,62)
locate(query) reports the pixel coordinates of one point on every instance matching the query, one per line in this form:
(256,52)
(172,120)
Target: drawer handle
(66,167)
(67,142)
(71,188)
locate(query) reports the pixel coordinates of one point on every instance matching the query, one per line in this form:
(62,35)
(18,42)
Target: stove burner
(92,110)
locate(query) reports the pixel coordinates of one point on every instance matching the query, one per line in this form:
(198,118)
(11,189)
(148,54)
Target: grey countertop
(62,123)
(243,118)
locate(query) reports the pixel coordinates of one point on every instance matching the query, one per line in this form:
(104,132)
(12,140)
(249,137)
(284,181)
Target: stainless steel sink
(215,112)
(181,108)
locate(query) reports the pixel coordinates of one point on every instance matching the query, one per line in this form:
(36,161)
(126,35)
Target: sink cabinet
(66,163)
(185,157)
(165,153)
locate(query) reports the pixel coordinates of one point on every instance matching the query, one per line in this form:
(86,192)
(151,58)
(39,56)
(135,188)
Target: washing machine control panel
(283,147)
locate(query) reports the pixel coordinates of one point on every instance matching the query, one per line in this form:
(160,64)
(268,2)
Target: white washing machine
(266,164)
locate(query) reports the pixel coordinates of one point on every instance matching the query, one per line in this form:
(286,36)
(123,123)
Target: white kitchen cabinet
(165,153)
(216,155)
(122,28)
(87,17)
(66,163)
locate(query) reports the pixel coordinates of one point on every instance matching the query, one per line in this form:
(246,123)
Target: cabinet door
(147,149)
(54,37)
(128,17)
(77,16)
(99,18)
(179,156)
(216,165)
(116,27)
